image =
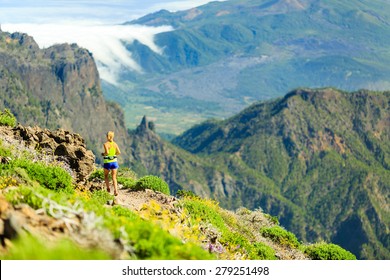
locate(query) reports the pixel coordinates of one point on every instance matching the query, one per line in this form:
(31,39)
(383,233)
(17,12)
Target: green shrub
(127,178)
(261,251)
(186,193)
(205,210)
(7,118)
(98,173)
(52,177)
(281,236)
(148,240)
(24,194)
(153,243)
(101,197)
(31,248)
(153,183)
(127,183)
(272,219)
(234,239)
(324,251)
(126,172)
(121,211)
(4,152)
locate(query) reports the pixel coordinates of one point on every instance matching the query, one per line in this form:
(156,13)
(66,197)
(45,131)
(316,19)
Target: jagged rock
(95,184)
(12,226)
(9,224)
(25,40)
(146,125)
(64,145)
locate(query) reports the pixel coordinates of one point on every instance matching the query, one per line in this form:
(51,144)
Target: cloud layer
(106,42)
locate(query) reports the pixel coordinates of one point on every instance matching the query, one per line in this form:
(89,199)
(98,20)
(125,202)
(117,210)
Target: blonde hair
(110,136)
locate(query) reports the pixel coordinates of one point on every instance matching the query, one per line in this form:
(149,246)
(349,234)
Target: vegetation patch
(324,251)
(228,238)
(51,176)
(261,251)
(7,118)
(186,193)
(28,247)
(281,236)
(97,174)
(152,182)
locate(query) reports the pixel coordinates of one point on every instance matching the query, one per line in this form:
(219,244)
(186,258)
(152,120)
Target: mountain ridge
(247,51)
(316,158)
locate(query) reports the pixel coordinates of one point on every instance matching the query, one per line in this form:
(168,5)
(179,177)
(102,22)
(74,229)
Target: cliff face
(56,87)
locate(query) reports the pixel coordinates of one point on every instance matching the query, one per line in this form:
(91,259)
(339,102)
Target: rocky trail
(135,200)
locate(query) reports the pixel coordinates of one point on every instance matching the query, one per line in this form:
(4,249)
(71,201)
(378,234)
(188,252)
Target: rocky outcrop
(63,145)
(55,146)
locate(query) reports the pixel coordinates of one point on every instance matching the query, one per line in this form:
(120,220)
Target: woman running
(111,151)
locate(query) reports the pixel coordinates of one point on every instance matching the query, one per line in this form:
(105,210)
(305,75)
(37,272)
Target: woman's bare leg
(106,179)
(113,174)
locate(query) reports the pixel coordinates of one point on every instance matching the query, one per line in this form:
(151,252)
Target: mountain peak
(145,125)
(21,39)
(308,94)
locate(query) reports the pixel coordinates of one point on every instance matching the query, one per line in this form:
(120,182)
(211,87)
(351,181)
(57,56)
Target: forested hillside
(317,159)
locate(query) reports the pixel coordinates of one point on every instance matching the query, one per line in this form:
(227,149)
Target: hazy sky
(117,11)
(91,24)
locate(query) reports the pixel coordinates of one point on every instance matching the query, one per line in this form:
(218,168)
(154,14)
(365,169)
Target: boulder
(63,145)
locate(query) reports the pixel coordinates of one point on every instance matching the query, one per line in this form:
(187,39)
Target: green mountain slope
(236,52)
(317,159)
(45,214)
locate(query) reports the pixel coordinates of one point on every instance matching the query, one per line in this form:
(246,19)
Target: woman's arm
(105,150)
(117,152)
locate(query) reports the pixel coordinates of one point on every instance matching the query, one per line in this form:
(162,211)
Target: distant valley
(223,56)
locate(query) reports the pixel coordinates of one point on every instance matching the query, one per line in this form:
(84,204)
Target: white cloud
(106,42)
